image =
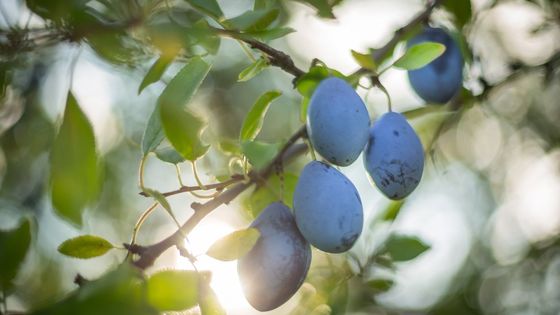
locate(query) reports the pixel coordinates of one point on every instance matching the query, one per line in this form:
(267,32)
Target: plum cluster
(327,209)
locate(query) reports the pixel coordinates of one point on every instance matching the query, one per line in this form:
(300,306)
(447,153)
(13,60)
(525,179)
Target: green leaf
(461,9)
(155,72)
(405,248)
(116,293)
(324,7)
(275,189)
(420,55)
(392,210)
(364,60)
(209,7)
(208,301)
(380,285)
(234,245)
(259,153)
(182,128)
(153,134)
(254,20)
(270,34)
(160,198)
(254,120)
(13,248)
(169,155)
(264,4)
(85,246)
(74,164)
(252,70)
(173,290)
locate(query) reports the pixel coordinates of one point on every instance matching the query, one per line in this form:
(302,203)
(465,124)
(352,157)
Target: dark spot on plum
(395,195)
(396,133)
(340,222)
(348,241)
(347,160)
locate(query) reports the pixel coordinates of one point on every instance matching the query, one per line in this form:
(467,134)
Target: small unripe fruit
(337,121)
(441,79)
(274,269)
(327,208)
(394,157)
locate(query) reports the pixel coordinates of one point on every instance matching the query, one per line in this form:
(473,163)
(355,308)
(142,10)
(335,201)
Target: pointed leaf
(254,20)
(160,198)
(259,153)
(155,72)
(74,164)
(324,7)
(153,134)
(210,7)
(13,248)
(275,189)
(364,60)
(270,34)
(234,245)
(380,285)
(254,120)
(252,70)
(405,248)
(85,246)
(169,155)
(420,55)
(181,127)
(173,290)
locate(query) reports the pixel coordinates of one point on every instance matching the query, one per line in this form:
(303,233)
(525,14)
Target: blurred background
(488,204)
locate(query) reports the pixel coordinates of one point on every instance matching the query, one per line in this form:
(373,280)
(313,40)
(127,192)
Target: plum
(441,79)
(328,208)
(274,269)
(337,121)
(394,157)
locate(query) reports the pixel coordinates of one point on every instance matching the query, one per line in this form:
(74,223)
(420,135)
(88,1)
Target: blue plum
(337,121)
(441,79)
(394,157)
(274,269)
(327,208)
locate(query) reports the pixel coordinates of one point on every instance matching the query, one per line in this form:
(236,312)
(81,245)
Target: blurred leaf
(85,246)
(202,34)
(259,153)
(420,55)
(230,146)
(392,210)
(338,298)
(324,7)
(322,309)
(180,126)
(13,248)
(234,245)
(155,72)
(169,155)
(254,20)
(380,285)
(153,134)
(55,9)
(461,9)
(74,164)
(264,4)
(173,290)
(270,34)
(270,192)
(405,248)
(208,301)
(254,120)
(209,7)
(364,60)
(116,293)
(252,70)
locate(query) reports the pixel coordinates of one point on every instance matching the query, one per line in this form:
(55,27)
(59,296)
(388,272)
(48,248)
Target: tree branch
(289,152)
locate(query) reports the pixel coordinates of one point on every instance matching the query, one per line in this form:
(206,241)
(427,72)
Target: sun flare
(224,281)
